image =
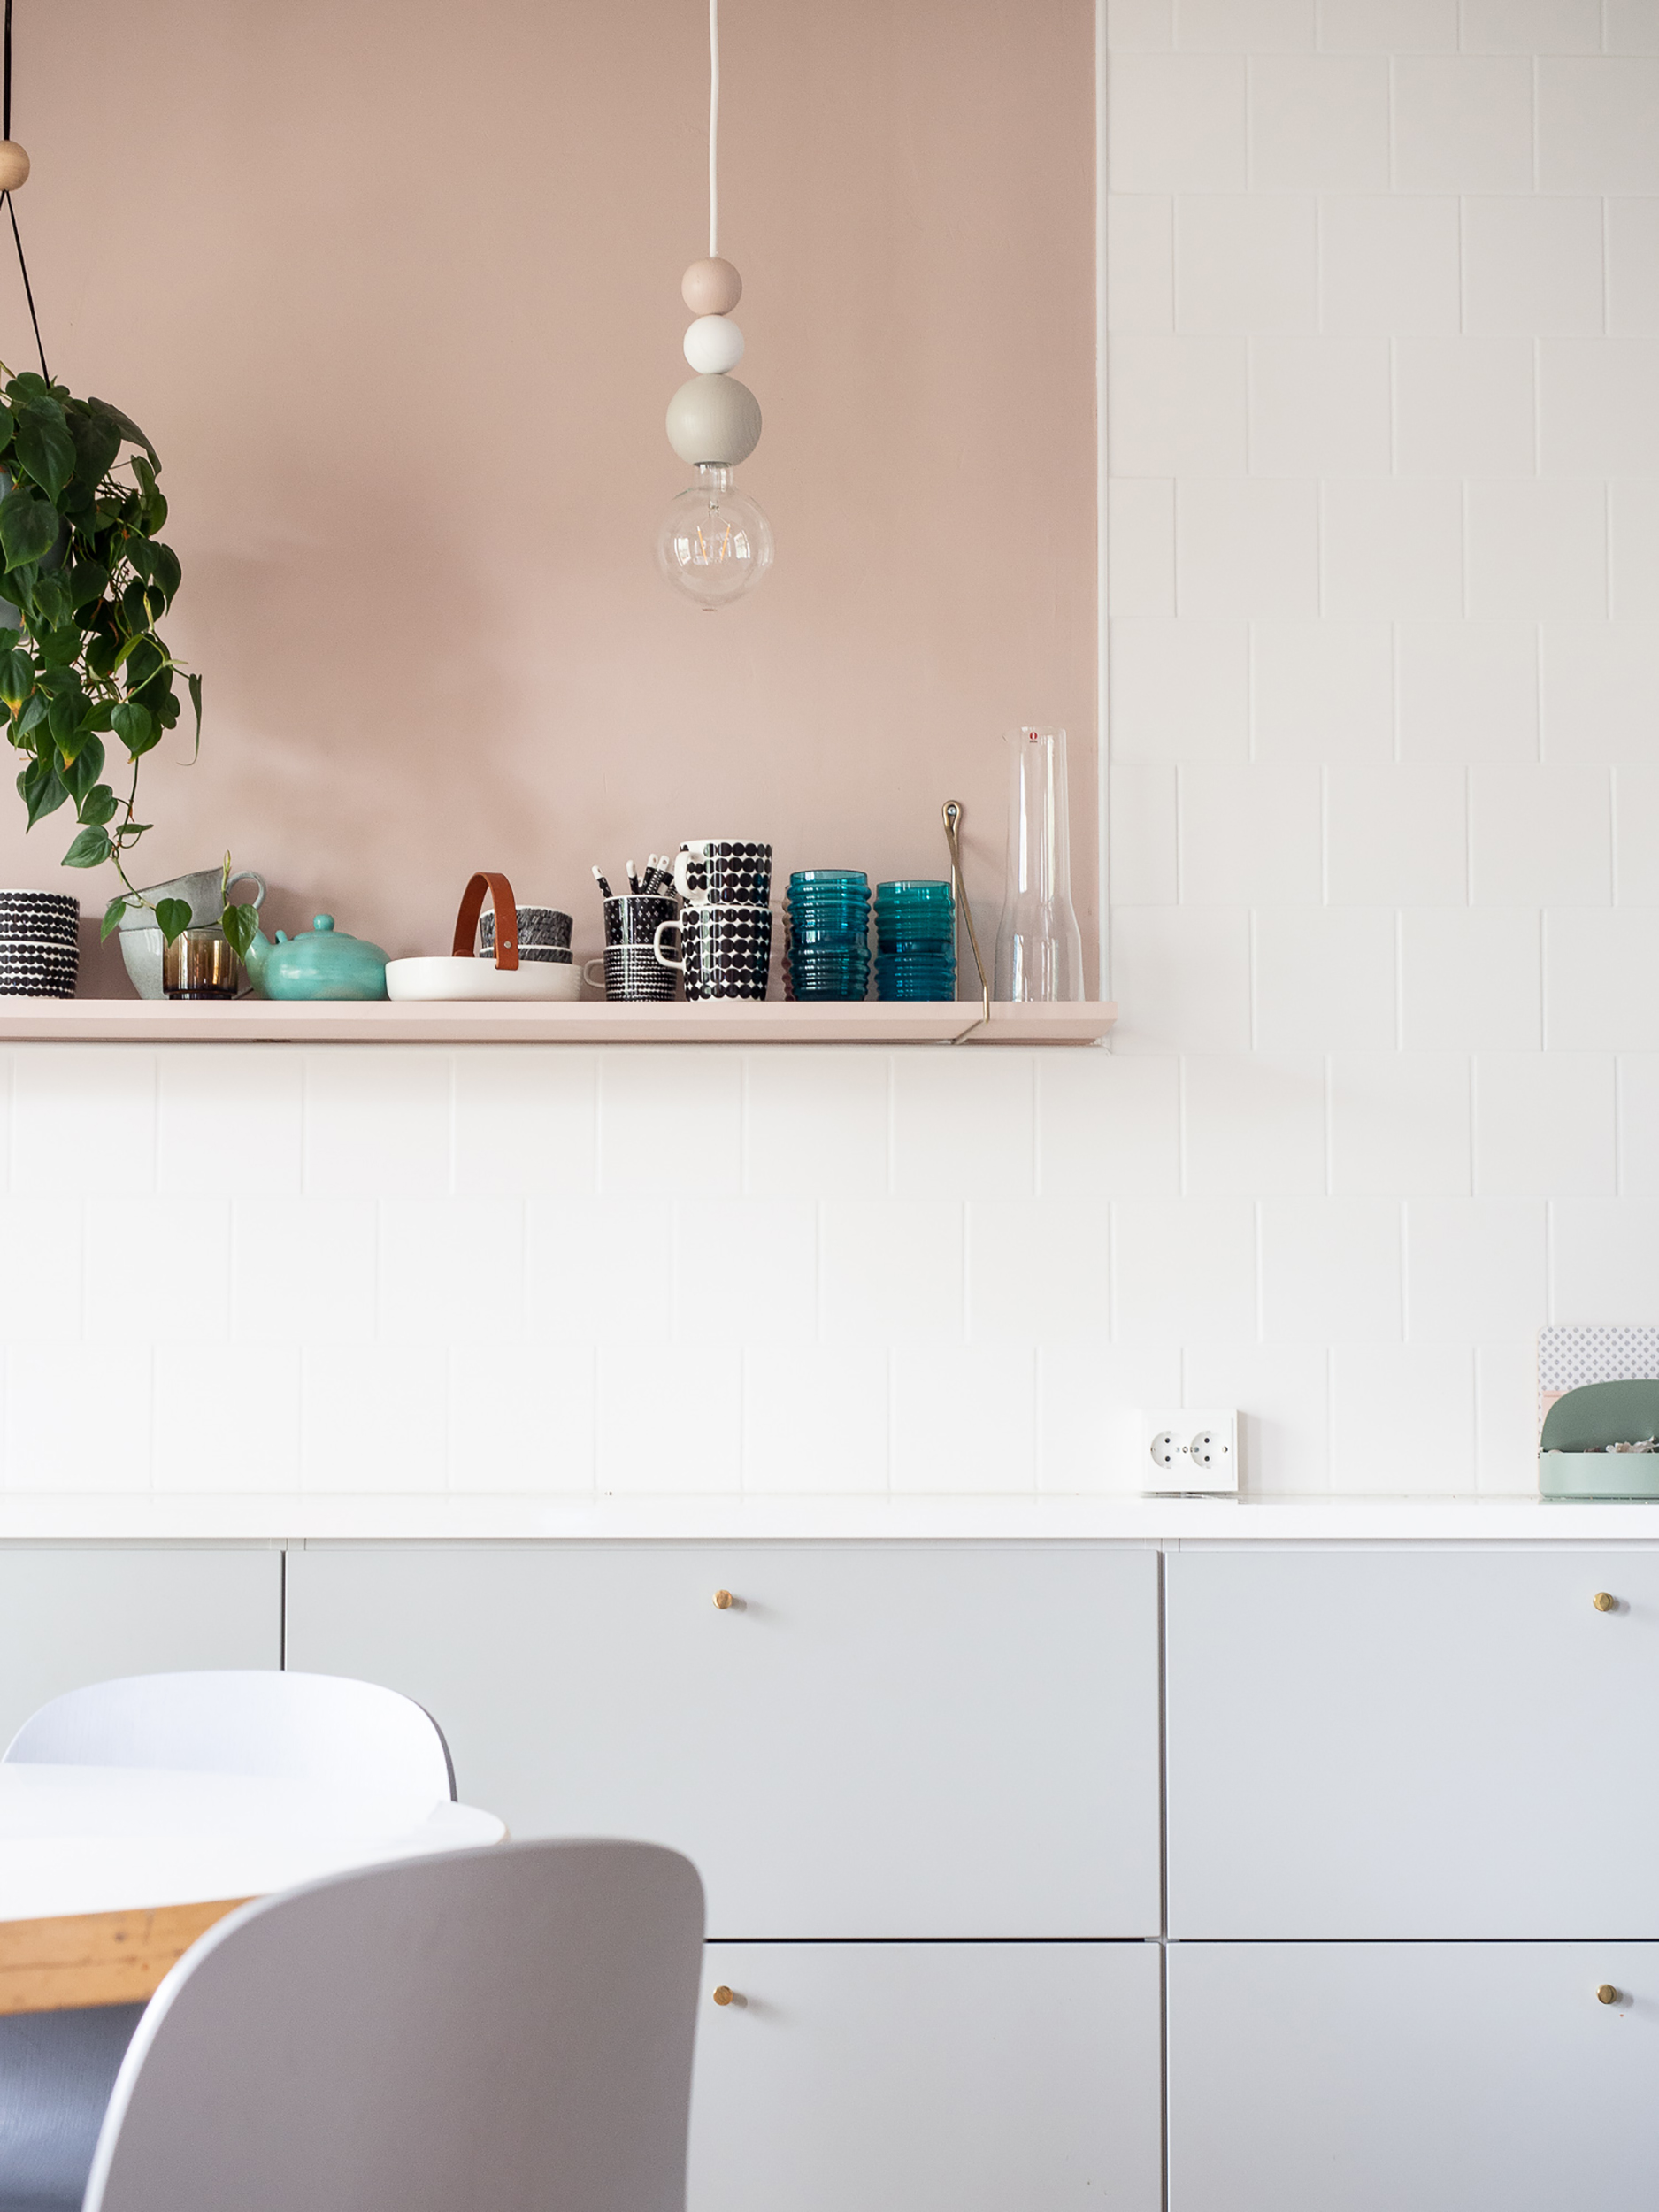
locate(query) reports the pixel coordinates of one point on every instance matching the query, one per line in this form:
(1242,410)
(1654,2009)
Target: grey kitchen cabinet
(1398,1745)
(75,1614)
(928,2078)
(869,1741)
(1411,2077)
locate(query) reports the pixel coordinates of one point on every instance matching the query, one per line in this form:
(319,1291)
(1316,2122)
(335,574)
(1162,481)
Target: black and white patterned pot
(30,968)
(40,917)
(544,934)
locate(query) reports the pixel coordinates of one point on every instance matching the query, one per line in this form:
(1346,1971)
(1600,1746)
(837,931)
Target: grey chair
(501,2031)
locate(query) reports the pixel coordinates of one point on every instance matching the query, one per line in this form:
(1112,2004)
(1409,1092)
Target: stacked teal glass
(916,939)
(829,934)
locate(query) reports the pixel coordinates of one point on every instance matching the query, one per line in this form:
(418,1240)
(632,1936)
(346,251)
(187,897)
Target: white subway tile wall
(1390,900)
(1383,297)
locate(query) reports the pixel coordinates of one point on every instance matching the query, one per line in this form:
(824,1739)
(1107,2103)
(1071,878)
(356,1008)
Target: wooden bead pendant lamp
(715,543)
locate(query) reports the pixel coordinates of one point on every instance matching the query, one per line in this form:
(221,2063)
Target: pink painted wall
(395,288)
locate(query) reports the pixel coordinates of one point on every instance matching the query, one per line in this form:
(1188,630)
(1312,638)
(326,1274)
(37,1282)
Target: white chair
(366,1746)
(355,1739)
(510,2030)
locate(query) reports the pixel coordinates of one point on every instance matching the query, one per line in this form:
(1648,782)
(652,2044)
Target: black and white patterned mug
(633,917)
(724,872)
(725,951)
(630,971)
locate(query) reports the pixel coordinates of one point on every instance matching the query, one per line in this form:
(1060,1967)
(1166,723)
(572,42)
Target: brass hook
(953,811)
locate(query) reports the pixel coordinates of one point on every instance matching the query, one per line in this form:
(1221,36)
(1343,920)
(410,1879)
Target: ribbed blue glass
(828,921)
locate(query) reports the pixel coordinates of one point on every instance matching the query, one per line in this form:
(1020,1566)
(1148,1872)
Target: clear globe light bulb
(715,543)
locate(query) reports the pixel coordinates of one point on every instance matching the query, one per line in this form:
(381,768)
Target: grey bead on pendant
(714,419)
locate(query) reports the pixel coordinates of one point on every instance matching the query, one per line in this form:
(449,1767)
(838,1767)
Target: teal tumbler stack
(916,939)
(829,934)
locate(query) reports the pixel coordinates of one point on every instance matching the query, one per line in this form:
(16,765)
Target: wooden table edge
(99,1958)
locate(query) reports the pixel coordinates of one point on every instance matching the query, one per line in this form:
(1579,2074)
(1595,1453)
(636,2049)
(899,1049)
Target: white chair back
(510,2030)
(359,1742)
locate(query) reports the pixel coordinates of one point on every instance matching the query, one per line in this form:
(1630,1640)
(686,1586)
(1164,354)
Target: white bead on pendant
(714,344)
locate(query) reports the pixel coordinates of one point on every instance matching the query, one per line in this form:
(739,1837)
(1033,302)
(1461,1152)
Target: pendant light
(715,543)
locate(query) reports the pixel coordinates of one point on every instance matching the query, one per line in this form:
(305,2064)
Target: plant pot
(142,940)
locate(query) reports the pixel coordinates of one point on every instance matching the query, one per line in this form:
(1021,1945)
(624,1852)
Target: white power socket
(1192,1450)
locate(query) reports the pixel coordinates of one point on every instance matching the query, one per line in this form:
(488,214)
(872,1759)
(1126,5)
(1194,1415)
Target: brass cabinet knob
(1607,1994)
(723,1599)
(1603,1601)
(723,1995)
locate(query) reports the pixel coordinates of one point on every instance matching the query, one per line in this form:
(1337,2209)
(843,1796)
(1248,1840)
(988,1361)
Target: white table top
(89,1839)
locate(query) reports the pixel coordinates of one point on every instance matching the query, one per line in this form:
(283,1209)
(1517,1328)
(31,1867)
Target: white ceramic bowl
(440,976)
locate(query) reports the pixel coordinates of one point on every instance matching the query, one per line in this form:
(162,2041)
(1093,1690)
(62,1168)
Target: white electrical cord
(714,129)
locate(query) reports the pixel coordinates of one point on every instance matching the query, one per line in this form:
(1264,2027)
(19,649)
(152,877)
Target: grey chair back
(500,2031)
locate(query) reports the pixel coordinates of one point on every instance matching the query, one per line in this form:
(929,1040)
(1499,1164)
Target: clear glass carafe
(1039,946)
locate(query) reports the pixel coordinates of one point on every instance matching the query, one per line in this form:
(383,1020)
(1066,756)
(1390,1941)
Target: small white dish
(440,976)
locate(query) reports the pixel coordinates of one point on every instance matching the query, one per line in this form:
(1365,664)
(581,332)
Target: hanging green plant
(89,578)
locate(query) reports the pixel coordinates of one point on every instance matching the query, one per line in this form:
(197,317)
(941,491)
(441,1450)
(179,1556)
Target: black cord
(28,290)
(17,236)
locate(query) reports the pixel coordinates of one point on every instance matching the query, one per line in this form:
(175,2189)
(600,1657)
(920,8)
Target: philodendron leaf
(53,606)
(91,848)
(98,806)
(42,790)
(195,684)
(97,442)
(164,568)
(29,526)
(85,581)
(60,648)
(172,918)
(112,914)
(17,679)
(240,924)
(84,771)
(43,446)
(124,424)
(134,725)
(62,719)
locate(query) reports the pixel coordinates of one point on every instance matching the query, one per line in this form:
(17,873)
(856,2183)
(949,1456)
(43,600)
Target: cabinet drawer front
(928,2078)
(1399,1744)
(75,1615)
(863,1743)
(1438,2076)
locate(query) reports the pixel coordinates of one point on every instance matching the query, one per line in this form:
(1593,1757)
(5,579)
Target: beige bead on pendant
(14,167)
(711,287)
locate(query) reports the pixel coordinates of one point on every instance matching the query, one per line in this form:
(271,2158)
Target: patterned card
(1592,1354)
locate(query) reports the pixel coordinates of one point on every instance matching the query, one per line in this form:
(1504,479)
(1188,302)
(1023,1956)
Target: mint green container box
(1574,1461)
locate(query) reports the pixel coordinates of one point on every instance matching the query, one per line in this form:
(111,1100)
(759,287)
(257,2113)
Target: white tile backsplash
(1383,522)
(1533,267)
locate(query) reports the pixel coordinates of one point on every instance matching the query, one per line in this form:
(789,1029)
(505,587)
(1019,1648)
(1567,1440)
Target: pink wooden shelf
(269,1021)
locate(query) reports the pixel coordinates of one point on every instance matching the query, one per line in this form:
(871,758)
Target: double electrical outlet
(1195,1450)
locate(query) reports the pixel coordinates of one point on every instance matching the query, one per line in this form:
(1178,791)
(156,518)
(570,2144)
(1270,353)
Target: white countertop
(436,1518)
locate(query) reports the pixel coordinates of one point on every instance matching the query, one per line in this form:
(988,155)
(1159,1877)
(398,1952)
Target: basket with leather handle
(462,974)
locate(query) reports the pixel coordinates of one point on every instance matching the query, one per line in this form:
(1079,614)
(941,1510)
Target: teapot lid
(323,921)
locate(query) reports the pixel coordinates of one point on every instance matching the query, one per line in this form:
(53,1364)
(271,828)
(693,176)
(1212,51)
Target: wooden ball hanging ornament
(14,166)
(711,287)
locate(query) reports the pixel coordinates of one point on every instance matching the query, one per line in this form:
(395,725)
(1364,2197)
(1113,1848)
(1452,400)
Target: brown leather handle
(506,918)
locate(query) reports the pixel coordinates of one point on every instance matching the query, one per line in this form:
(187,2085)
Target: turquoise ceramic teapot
(326,965)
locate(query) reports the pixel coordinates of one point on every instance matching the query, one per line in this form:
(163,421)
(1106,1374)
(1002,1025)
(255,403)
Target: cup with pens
(629,967)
